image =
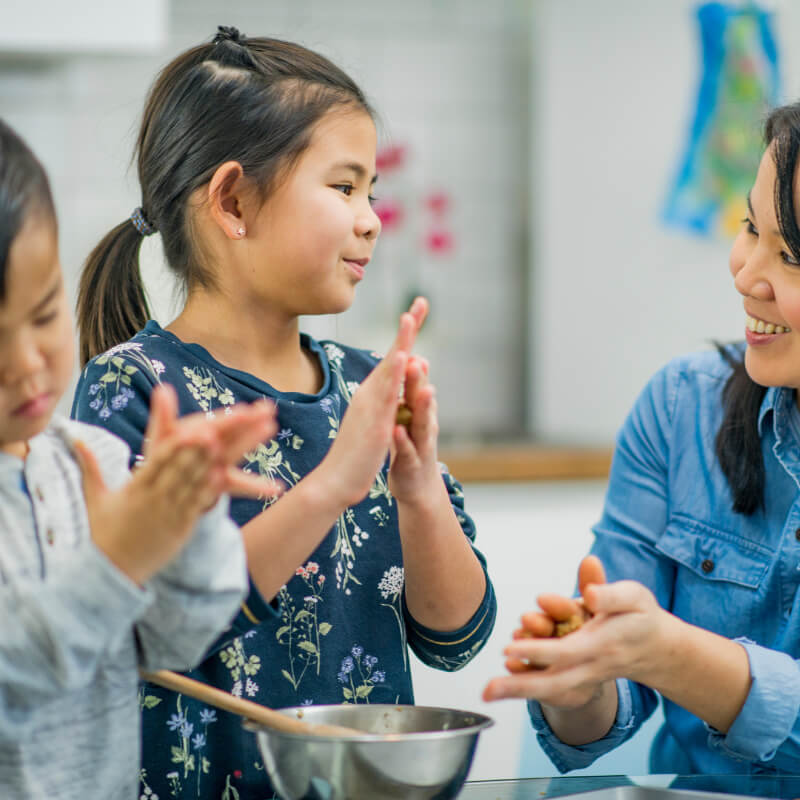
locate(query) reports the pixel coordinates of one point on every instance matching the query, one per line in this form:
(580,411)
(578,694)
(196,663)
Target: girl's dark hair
(251,100)
(738,444)
(24,190)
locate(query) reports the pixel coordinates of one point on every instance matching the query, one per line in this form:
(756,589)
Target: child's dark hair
(251,100)
(24,190)
(738,443)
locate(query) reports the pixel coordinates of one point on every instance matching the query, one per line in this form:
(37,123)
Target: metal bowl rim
(482,722)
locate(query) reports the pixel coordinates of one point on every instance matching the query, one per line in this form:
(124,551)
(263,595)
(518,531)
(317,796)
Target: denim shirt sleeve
(767,727)
(634,704)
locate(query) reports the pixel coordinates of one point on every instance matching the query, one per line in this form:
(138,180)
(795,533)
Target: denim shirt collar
(779,404)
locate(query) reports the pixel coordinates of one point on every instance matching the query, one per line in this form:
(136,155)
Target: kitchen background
(527,152)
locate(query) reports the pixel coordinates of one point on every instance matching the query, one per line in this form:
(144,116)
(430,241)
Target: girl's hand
(189,463)
(242,428)
(365,434)
(414,467)
(622,639)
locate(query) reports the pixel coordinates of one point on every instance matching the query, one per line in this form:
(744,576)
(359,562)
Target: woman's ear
(226,199)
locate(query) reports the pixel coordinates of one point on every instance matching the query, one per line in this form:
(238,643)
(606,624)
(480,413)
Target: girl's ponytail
(112,305)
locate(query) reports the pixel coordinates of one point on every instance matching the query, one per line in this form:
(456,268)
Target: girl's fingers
(163,413)
(92,477)
(239,483)
(419,310)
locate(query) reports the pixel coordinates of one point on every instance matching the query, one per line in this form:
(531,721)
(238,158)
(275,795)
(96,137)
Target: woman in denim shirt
(695,568)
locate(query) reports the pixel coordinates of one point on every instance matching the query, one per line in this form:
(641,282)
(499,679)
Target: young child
(256,162)
(699,540)
(96,577)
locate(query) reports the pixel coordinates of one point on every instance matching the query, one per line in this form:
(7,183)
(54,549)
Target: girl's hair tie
(140,222)
(227,33)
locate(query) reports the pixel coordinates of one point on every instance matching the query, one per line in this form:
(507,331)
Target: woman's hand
(366,431)
(188,463)
(620,640)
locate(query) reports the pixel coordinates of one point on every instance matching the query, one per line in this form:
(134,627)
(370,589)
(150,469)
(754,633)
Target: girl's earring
(240,232)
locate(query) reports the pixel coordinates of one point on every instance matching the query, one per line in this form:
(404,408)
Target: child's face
(315,233)
(36,338)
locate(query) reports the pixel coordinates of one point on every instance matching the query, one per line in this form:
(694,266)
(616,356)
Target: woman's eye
(789,259)
(372,199)
(344,188)
(749,227)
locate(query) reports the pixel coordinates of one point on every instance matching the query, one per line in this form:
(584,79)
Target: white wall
(613,293)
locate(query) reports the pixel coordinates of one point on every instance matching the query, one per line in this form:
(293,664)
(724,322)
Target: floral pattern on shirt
(340,634)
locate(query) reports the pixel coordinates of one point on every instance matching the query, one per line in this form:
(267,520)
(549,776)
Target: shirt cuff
(770,711)
(568,757)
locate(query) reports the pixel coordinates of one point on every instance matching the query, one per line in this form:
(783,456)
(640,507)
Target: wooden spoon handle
(245,708)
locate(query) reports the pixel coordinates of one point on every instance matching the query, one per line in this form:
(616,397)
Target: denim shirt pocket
(718,578)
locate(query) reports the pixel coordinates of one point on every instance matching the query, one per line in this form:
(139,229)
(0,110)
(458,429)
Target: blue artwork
(740,82)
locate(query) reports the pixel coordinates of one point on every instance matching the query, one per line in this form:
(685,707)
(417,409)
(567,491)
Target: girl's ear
(226,199)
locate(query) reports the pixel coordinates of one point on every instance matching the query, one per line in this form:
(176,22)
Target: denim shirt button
(707,565)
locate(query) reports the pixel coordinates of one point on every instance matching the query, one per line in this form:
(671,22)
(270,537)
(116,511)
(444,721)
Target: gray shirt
(74,630)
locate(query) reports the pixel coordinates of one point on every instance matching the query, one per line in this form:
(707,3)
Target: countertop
(538,788)
(524,462)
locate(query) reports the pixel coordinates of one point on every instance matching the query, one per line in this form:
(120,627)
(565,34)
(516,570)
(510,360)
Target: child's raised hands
(188,464)
(367,428)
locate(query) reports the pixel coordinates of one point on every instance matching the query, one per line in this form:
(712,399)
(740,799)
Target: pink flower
(439,241)
(300,571)
(389,213)
(312,567)
(390,157)
(321,580)
(438,202)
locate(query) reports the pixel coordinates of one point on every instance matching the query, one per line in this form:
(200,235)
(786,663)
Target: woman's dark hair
(24,190)
(251,100)
(738,444)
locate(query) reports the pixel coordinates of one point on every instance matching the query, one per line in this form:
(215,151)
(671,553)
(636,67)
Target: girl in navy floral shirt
(256,161)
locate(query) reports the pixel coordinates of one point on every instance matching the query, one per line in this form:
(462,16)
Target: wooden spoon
(245,708)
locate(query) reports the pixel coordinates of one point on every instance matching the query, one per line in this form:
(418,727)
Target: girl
(700,535)
(256,161)
(88,593)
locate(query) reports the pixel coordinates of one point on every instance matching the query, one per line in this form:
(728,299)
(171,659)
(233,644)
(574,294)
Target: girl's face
(310,242)
(36,340)
(767,275)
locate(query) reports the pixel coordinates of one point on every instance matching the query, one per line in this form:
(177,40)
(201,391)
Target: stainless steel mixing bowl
(408,752)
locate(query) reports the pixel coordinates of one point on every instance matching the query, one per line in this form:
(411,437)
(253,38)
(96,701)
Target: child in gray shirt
(102,572)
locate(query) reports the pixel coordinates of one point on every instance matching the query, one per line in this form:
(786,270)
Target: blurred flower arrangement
(417,228)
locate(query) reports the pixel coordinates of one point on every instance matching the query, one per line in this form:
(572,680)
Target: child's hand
(242,428)
(188,464)
(365,434)
(415,468)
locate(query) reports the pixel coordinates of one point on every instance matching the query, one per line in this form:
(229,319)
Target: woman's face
(767,276)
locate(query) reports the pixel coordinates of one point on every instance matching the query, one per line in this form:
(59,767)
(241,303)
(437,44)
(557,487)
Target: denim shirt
(668,522)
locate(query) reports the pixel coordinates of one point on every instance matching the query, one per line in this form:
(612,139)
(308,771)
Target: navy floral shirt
(338,631)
